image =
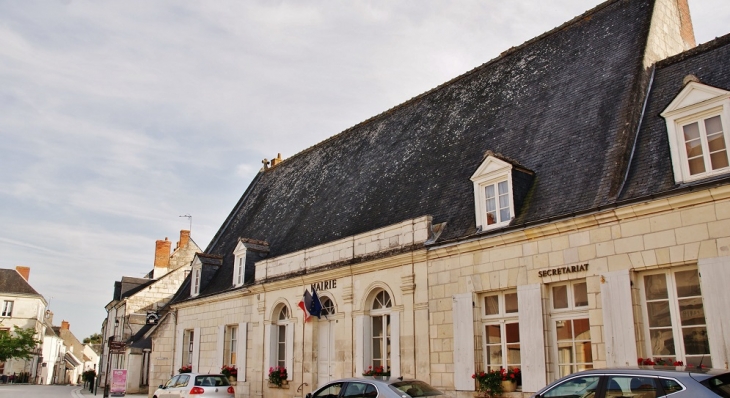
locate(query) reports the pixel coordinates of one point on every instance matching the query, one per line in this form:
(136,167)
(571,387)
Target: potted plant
(186,369)
(278,376)
(377,372)
(510,378)
(230,372)
(489,384)
(659,362)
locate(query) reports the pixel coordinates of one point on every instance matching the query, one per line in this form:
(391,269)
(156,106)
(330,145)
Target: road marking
(76,393)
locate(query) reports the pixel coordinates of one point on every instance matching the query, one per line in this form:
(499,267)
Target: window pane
(691,311)
(564,330)
(494,356)
(377,326)
(493,334)
(662,342)
(510,303)
(659,314)
(502,186)
(696,166)
(643,387)
(512,332)
(656,287)
(583,352)
(716,142)
(513,354)
(719,160)
(670,386)
(580,293)
(560,297)
(691,131)
(695,341)
(582,329)
(491,305)
(491,205)
(688,283)
(713,125)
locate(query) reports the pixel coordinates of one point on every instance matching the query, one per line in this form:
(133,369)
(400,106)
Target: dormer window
(195,279)
(698,121)
(500,186)
(239,264)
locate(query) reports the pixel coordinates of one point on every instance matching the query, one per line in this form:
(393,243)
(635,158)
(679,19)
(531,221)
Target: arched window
(328,307)
(282,323)
(381,331)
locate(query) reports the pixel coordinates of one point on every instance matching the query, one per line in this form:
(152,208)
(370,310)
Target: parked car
(186,385)
(370,387)
(641,382)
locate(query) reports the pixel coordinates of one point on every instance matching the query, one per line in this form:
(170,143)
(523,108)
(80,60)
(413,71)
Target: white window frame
(239,265)
(570,313)
(195,280)
(7,308)
(492,171)
(502,318)
(188,347)
(385,341)
(281,325)
(695,103)
(230,348)
(674,311)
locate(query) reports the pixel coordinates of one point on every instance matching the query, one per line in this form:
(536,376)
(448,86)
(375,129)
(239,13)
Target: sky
(117,118)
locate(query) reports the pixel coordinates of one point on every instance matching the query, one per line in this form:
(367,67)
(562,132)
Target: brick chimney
(65,325)
(184,238)
(23,271)
(686,30)
(162,253)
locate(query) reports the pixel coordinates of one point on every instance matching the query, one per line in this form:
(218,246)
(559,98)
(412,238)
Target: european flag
(315,308)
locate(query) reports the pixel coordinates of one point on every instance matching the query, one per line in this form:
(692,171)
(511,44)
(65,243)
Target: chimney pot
(65,325)
(23,271)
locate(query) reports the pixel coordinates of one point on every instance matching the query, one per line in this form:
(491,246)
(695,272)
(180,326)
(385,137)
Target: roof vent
(276,161)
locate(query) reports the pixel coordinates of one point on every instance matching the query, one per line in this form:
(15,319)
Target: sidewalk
(100,393)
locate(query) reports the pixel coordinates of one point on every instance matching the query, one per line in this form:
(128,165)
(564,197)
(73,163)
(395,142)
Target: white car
(185,385)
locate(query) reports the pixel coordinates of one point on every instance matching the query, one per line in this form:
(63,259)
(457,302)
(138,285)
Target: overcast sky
(118,117)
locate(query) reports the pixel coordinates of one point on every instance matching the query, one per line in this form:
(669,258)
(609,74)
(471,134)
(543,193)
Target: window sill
(285,384)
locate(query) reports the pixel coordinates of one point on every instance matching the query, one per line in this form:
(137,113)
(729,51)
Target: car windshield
(720,385)
(415,388)
(211,380)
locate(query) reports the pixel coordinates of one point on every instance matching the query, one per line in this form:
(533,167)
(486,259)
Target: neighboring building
(90,358)
(53,367)
(24,307)
(73,357)
(561,207)
(136,305)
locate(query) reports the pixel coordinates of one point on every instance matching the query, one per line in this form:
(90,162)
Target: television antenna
(190,219)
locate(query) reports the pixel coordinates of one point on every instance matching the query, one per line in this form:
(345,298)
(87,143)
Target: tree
(20,344)
(93,339)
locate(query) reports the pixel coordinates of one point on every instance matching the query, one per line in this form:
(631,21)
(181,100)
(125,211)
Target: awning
(71,361)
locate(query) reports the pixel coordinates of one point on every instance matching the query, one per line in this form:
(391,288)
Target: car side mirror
(161,386)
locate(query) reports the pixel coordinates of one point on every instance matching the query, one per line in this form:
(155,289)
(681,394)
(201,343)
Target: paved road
(34,391)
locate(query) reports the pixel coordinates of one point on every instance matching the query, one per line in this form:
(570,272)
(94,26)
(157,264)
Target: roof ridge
(504,54)
(697,50)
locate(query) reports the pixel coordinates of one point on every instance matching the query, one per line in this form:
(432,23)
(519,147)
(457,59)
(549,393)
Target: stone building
(24,307)
(561,207)
(137,304)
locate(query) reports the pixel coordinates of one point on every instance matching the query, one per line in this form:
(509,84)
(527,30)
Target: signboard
(152,318)
(119,383)
(117,347)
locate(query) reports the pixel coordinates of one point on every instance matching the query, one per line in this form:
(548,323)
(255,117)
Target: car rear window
(415,388)
(211,380)
(670,386)
(720,385)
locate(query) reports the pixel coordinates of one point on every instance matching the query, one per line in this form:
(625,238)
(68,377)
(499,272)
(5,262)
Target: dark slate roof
(130,285)
(564,105)
(651,169)
(12,282)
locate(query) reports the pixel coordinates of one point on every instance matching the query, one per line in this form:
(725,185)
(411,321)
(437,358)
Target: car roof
(373,380)
(667,371)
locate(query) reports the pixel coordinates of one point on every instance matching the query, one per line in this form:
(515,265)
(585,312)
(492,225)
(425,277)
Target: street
(35,391)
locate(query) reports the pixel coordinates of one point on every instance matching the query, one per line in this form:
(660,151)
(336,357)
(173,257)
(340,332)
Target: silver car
(185,385)
(641,382)
(370,387)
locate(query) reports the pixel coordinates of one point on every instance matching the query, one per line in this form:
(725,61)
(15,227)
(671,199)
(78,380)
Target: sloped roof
(12,282)
(564,105)
(651,170)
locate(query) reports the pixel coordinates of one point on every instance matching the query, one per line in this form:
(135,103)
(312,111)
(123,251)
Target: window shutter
(219,349)
(272,349)
(290,350)
(714,274)
(463,339)
(178,350)
(360,345)
(241,351)
(196,348)
(532,337)
(395,344)
(618,325)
